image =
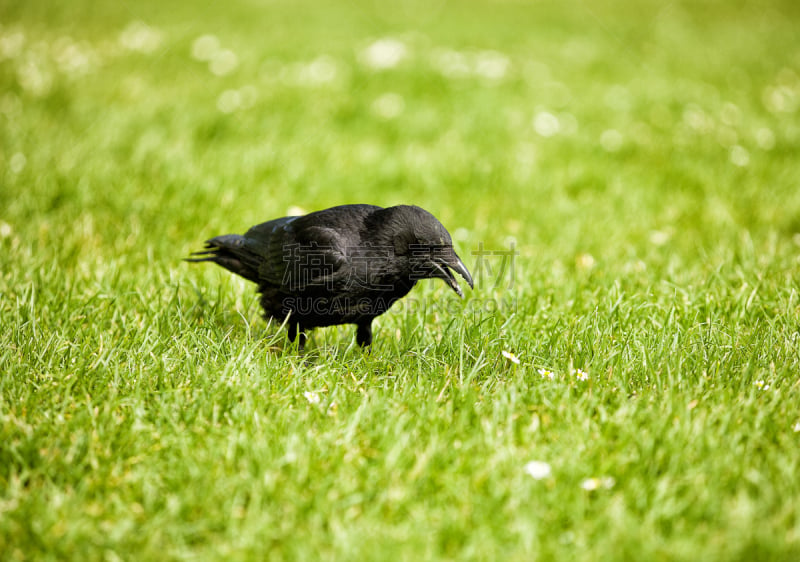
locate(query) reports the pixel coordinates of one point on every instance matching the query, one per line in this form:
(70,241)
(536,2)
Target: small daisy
(796,427)
(545,374)
(312,397)
(511,357)
(762,385)
(580,374)
(384,53)
(538,470)
(591,484)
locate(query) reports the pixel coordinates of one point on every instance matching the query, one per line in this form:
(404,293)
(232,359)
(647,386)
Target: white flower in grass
(611,140)
(451,64)
(585,261)
(591,484)
(740,156)
(492,65)
(659,237)
(538,470)
(312,397)
(545,374)
(205,47)
(384,53)
(580,374)
(73,59)
(796,427)
(138,36)
(321,70)
(229,101)
(546,124)
(765,138)
(11,43)
(511,357)
(34,76)
(762,385)
(223,62)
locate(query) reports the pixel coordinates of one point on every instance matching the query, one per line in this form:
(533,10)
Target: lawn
(621,177)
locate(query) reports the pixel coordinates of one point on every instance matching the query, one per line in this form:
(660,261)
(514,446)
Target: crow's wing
(319,258)
(296,254)
(319,254)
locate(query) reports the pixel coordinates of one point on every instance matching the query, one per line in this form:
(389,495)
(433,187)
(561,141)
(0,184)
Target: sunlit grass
(625,388)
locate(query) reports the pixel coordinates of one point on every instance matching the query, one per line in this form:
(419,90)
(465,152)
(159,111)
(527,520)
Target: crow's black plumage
(343,265)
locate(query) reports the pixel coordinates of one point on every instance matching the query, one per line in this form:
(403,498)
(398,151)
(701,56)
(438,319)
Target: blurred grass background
(643,158)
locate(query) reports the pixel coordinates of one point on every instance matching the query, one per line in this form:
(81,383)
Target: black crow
(343,265)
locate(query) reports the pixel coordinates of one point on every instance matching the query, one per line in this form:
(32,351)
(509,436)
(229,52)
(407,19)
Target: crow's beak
(445,265)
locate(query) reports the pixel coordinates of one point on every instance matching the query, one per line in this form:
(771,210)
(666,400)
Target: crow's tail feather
(230,252)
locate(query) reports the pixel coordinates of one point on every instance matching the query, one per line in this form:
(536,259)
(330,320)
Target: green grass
(644,159)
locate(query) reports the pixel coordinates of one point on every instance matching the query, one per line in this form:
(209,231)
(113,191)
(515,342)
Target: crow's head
(421,238)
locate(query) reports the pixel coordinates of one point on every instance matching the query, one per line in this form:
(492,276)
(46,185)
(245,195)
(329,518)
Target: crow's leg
(364,333)
(295,330)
